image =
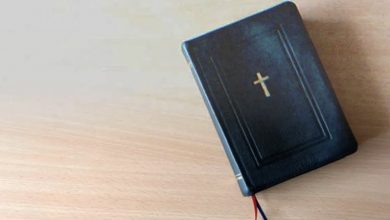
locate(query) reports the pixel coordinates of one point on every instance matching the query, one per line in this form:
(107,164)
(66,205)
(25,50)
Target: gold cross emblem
(261,80)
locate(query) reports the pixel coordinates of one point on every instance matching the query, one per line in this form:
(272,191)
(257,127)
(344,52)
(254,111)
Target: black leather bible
(269,97)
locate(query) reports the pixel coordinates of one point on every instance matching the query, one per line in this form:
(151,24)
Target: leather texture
(288,123)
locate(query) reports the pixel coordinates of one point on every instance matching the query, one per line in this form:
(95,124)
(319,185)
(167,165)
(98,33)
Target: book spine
(239,177)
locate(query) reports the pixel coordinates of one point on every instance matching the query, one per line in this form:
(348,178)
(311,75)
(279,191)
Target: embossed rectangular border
(245,130)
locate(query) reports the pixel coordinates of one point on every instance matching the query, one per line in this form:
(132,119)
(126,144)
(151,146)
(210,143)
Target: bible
(269,98)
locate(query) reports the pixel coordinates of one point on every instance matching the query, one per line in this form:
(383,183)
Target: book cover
(269,97)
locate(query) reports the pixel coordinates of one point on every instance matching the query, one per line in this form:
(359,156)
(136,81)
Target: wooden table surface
(101,118)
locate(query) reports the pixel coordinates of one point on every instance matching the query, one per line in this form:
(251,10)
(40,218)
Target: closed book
(269,97)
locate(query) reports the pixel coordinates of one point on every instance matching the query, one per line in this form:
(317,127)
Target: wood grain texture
(101,118)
